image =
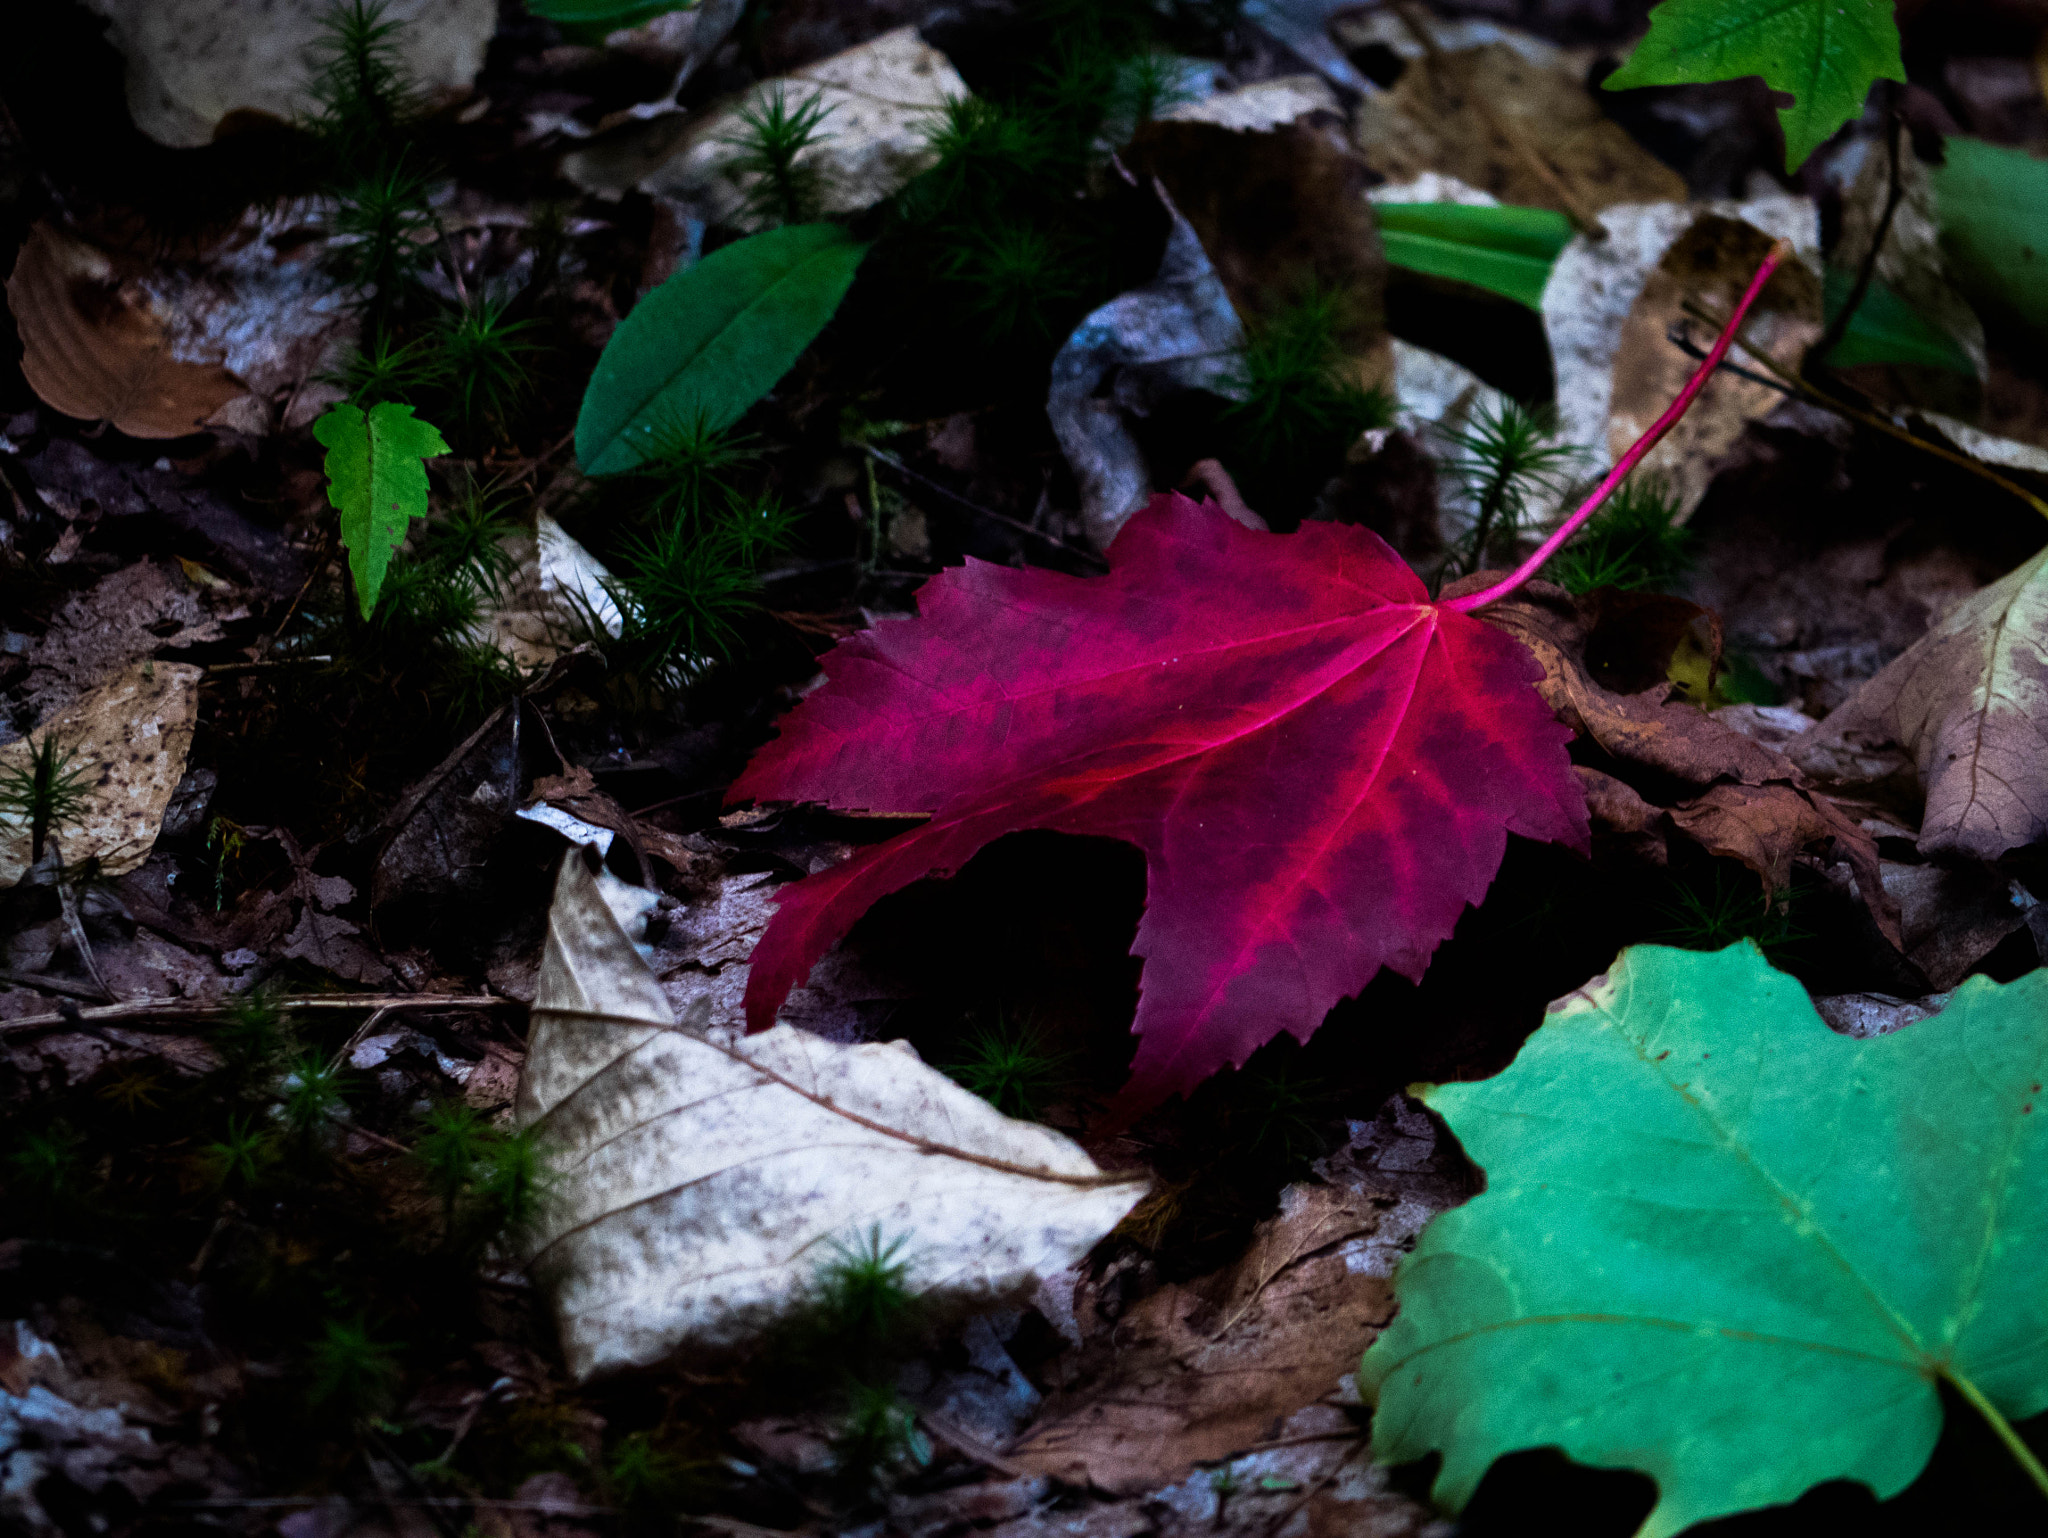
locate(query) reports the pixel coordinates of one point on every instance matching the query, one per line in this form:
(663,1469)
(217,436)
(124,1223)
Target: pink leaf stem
(1642,446)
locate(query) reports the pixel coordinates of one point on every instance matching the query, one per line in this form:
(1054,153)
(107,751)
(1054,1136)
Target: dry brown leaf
(1594,285)
(1200,1371)
(129,739)
(706,1178)
(1753,804)
(1711,263)
(1544,144)
(1967,706)
(95,346)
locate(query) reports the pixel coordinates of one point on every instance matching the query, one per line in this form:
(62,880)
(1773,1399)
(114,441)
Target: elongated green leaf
(590,21)
(1722,1244)
(1886,329)
(712,340)
(1503,249)
(1994,227)
(1826,53)
(377,482)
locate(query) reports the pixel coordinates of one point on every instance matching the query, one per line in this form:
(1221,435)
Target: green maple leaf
(1825,53)
(377,481)
(1726,1246)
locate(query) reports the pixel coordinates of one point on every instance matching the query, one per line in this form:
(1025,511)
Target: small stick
(213,1009)
(1440,65)
(1637,450)
(1839,326)
(1798,388)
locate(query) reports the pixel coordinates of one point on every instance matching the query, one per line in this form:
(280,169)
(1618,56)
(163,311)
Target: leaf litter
(278,1042)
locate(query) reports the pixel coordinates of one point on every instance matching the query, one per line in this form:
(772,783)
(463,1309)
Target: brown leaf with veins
(1754,804)
(93,345)
(1968,706)
(1206,1369)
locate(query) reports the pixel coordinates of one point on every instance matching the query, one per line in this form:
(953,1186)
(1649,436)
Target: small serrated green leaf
(1825,53)
(1501,248)
(1886,329)
(1724,1245)
(712,340)
(377,481)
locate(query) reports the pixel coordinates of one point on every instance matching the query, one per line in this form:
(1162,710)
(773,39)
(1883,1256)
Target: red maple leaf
(1321,765)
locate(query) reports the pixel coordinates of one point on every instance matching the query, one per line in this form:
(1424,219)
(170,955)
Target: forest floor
(267,976)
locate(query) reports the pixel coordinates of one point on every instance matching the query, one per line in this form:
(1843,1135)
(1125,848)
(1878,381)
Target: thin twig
(1441,68)
(214,1009)
(1019,525)
(237,669)
(57,985)
(1867,270)
(1649,440)
(74,924)
(319,565)
(357,1037)
(970,1446)
(1793,385)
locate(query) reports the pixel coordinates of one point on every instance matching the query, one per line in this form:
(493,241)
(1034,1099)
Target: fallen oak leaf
(1726,1246)
(702,1184)
(1322,771)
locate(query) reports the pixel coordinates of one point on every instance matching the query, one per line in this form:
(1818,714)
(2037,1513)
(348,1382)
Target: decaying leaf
(439,835)
(1260,106)
(705,1180)
(1967,707)
(126,616)
(1595,284)
(1199,1371)
(193,63)
(1275,208)
(1178,332)
(1710,265)
(96,345)
(1744,799)
(129,740)
(557,593)
(1724,1245)
(879,101)
(1528,133)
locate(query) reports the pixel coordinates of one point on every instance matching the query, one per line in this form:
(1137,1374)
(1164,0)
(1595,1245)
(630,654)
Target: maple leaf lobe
(1321,765)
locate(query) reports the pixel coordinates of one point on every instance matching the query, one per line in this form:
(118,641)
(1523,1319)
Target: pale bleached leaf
(705,1179)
